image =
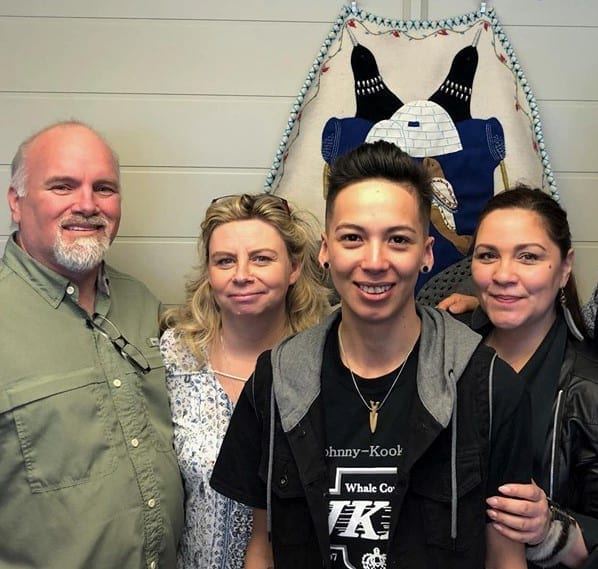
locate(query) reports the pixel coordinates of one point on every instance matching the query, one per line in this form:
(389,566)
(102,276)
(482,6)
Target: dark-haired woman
(530,314)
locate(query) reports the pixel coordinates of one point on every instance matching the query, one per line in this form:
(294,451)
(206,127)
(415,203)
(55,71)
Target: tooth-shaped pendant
(374,405)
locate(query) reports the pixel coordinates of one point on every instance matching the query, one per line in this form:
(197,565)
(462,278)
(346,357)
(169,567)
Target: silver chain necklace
(225,357)
(374,406)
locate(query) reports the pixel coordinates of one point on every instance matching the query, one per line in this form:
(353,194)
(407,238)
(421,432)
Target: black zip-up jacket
(570,473)
(273,454)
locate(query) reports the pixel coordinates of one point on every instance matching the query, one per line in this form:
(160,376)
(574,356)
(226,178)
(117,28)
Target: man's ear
(14,203)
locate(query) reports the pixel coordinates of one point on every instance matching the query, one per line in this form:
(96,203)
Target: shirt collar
(480,321)
(50,285)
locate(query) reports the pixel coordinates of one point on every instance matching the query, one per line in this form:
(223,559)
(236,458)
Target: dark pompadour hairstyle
(382,160)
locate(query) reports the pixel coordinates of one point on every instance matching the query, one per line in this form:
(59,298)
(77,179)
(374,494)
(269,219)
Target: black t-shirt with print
(362,464)
(239,471)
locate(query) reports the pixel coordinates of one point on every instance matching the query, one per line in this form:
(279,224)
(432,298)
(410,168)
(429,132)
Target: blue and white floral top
(217,529)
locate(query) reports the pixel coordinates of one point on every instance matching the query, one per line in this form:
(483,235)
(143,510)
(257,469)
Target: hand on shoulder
(457,303)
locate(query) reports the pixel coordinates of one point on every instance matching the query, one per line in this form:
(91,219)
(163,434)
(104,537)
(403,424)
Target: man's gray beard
(81,255)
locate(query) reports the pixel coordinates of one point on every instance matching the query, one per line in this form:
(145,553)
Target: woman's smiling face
(249,268)
(518,270)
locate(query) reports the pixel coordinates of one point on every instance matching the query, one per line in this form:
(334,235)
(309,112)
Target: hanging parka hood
(446,346)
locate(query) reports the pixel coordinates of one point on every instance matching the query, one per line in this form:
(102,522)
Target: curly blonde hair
(198,321)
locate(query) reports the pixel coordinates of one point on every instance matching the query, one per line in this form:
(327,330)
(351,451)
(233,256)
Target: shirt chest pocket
(291,517)
(63,428)
(432,489)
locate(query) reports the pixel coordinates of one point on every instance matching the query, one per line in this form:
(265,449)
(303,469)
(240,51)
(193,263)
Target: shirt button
(70,289)
(151,503)
(134,443)
(117,383)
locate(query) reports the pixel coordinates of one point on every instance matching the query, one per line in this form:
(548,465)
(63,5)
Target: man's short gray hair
(18,169)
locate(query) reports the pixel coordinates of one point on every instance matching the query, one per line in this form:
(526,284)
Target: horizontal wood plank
(579,193)
(164,203)
(158,131)
(531,12)
(586,268)
(182,57)
(156,56)
(236,132)
(162,265)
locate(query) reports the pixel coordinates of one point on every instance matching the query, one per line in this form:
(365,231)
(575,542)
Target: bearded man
(88,476)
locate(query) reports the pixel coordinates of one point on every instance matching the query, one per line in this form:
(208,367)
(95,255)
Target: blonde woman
(258,281)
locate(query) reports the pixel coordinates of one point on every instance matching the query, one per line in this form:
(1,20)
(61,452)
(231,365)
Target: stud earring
(326,265)
(425,269)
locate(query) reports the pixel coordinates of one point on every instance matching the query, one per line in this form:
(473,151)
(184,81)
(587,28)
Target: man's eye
(60,188)
(106,190)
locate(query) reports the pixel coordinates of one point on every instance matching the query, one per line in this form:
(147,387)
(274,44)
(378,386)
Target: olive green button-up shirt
(88,475)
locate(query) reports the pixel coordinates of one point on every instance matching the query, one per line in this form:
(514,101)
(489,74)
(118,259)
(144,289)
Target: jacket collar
(446,347)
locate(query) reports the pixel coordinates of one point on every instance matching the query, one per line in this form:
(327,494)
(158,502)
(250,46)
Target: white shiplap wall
(194,96)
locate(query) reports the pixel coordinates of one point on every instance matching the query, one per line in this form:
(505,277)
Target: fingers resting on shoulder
(458,303)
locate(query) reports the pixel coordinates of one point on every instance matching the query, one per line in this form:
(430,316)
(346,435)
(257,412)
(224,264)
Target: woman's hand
(457,303)
(521,513)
